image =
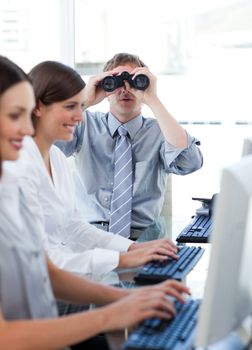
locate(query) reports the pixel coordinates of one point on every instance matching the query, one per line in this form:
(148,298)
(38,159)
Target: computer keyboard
(157,271)
(175,334)
(197,231)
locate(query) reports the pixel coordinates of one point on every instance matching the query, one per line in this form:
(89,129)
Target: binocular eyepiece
(112,82)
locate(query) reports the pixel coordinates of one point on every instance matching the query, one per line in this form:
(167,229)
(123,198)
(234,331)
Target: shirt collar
(132,126)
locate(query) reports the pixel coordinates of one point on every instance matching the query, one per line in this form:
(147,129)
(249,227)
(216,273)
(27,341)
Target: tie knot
(122,131)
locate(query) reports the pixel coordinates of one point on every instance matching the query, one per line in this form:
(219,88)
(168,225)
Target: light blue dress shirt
(153,158)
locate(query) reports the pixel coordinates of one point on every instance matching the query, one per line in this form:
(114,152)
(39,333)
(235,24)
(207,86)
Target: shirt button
(106,199)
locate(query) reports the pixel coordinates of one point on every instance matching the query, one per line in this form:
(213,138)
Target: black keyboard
(175,334)
(158,271)
(198,230)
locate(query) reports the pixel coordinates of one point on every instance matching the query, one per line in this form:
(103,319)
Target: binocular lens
(109,83)
(141,82)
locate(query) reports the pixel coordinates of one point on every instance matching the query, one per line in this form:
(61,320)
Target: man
(157,147)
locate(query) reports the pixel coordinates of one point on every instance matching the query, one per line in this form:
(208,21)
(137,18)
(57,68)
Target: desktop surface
(227,298)
(195,280)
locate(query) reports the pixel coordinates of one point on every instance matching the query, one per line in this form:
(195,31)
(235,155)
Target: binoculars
(112,82)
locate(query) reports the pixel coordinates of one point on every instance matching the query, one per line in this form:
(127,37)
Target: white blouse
(71,242)
(25,288)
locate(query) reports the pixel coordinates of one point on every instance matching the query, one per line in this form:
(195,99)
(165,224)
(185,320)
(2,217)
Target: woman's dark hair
(54,82)
(10,74)
(121,59)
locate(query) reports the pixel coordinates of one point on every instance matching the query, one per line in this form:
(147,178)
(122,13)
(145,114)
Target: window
(201,51)
(33,31)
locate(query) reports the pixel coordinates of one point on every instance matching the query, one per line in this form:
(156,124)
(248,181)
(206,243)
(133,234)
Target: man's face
(124,105)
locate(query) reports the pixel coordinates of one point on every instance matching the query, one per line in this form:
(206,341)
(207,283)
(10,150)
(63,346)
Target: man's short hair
(121,59)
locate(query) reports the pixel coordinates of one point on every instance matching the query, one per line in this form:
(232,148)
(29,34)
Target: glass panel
(201,50)
(30,31)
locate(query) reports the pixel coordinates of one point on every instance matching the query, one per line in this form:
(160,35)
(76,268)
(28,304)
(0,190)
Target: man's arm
(173,133)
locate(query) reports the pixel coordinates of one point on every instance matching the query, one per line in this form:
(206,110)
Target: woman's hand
(138,257)
(165,243)
(172,288)
(142,303)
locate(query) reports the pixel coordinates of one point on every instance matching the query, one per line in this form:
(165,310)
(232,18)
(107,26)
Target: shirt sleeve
(96,261)
(82,235)
(182,161)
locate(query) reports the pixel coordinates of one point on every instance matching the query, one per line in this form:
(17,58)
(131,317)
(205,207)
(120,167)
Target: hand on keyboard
(174,289)
(164,243)
(157,271)
(138,257)
(143,303)
(175,334)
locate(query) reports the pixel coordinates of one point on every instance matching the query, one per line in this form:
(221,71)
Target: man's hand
(93,91)
(150,94)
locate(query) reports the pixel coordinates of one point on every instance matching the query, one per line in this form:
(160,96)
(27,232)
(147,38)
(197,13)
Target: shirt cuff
(104,261)
(119,243)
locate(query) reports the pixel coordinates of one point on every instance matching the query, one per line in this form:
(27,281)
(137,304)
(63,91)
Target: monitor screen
(247,146)
(228,291)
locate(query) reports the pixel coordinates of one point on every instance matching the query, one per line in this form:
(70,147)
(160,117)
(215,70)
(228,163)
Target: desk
(195,280)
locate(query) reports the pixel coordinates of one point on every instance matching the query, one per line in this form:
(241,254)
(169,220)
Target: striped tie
(121,203)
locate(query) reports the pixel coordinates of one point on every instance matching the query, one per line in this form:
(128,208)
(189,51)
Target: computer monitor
(247,146)
(228,292)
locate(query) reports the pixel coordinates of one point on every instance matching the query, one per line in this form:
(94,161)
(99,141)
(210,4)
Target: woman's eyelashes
(18,113)
(15,116)
(75,106)
(71,107)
